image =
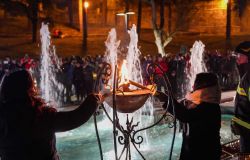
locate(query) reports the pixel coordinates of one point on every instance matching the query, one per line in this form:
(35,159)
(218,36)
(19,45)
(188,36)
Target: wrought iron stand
(129,135)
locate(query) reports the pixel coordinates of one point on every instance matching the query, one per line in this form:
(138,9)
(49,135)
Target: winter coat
(78,76)
(28,133)
(163,70)
(88,73)
(201,130)
(68,73)
(242,102)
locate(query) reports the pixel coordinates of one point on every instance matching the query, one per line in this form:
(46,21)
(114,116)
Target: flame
(124,72)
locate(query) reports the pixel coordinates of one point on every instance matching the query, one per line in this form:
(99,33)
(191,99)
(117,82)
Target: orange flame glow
(124,72)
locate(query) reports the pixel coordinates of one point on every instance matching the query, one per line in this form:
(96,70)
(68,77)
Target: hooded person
(28,125)
(241,120)
(200,117)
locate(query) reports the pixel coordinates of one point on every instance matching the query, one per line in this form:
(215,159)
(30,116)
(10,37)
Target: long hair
(18,87)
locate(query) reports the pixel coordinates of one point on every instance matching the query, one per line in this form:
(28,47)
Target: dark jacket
(201,130)
(28,133)
(242,102)
(78,77)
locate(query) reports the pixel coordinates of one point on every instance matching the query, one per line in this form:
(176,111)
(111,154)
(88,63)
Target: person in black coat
(200,118)
(78,81)
(88,69)
(28,125)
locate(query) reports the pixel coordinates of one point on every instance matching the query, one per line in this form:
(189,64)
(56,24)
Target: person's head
(149,57)
(243,51)
(159,57)
(13,61)
(243,57)
(17,86)
(78,64)
(205,80)
(88,59)
(26,56)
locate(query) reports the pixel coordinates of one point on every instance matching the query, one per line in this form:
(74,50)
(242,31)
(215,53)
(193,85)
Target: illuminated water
(196,62)
(114,56)
(81,144)
(50,87)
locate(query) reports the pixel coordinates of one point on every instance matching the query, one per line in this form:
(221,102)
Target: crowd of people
(28,125)
(77,74)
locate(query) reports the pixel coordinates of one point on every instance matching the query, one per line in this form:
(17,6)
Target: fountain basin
(80,143)
(129,102)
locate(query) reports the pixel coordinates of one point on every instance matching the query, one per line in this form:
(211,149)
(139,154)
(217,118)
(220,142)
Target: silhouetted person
(28,126)
(67,69)
(78,81)
(160,71)
(88,69)
(200,116)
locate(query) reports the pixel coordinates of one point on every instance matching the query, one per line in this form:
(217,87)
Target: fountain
(124,131)
(196,62)
(50,87)
(130,76)
(127,96)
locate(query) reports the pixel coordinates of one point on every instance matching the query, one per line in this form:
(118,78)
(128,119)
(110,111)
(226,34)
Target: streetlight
(86,4)
(85,29)
(125,14)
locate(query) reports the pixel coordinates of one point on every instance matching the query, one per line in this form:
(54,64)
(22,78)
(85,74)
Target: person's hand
(100,98)
(105,92)
(93,99)
(91,103)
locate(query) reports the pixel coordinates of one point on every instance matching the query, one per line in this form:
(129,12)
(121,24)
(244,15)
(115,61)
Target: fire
(124,72)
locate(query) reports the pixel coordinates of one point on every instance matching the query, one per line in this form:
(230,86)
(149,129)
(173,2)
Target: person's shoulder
(245,80)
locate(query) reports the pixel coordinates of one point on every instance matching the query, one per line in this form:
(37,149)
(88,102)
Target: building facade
(208,17)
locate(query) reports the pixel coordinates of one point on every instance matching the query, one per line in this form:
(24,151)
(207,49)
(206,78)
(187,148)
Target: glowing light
(124,72)
(120,14)
(223,4)
(130,13)
(125,13)
(86,4)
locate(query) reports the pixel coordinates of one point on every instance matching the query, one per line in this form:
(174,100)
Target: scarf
(210,94)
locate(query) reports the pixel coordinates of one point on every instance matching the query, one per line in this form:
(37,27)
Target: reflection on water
(81,143)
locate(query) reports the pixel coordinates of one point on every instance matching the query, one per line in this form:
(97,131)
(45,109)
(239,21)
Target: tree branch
(162,14)
(154,24)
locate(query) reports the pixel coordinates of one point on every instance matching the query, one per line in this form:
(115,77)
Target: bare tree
(161,38)
(183,13)
(104,11)
(169,16)
(70,12)
(240,6)
(28,8)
